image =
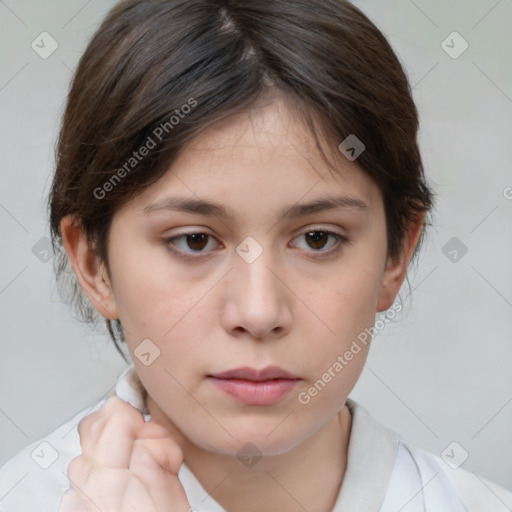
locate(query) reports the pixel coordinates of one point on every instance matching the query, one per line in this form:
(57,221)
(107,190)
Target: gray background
(438,374)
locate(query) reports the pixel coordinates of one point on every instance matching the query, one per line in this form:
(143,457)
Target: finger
(164,451)
(76,498)
(164,488)
(78,471)
(71,503)
(91,426)
(114,444)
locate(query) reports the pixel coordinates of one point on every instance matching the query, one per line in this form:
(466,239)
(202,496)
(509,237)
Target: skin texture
(296,306)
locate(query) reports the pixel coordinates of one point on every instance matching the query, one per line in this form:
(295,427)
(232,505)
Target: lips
(250,386)
(247,373)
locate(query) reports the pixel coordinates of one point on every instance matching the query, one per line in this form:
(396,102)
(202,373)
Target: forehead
(267,122)
(257,159)
(272,129)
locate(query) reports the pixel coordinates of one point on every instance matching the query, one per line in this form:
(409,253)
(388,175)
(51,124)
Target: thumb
(165,451)
(156,463)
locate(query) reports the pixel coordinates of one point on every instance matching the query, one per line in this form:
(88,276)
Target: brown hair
(163,70)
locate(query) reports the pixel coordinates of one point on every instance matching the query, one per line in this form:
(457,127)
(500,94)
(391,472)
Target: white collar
(372,451)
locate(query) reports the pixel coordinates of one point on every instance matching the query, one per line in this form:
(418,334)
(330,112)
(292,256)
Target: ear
(90,271)
(395,272)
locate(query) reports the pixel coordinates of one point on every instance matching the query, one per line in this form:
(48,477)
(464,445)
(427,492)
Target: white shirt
(384,473)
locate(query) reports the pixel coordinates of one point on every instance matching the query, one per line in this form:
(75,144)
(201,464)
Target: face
(251,288)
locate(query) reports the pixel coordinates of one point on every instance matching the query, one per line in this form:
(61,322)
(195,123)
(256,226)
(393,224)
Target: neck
(308,477)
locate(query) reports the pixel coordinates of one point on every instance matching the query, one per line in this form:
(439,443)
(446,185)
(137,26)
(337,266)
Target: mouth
(247,373)
(255,387)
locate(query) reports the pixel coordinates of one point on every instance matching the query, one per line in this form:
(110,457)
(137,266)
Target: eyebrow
(209,208)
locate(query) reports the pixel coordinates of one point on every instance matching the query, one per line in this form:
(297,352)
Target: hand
(127,465)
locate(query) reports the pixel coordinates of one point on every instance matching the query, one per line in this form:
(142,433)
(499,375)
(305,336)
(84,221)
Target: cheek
(329,390)
(349,301)
(152,295)
(347,305)
(336,361)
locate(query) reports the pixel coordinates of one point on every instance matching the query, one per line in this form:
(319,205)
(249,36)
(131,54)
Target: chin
(249,439)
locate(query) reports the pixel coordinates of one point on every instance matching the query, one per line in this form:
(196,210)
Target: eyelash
(340,239)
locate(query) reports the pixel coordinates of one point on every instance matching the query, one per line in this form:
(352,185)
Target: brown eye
(189,244)
(317,239)
(197,241)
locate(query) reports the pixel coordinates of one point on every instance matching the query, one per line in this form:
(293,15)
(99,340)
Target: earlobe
(396,270)
(90,271)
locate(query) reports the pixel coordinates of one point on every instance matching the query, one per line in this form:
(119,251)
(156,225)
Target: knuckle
(174,452)
(165,451)
(82,424)
(120,408)
(90,425)
(177,460)
(76,469)
(113,402)
(114,410)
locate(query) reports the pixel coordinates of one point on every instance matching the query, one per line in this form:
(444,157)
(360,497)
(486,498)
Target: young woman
(239,191)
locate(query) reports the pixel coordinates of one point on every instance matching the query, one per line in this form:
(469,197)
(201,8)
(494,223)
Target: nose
(258,303)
